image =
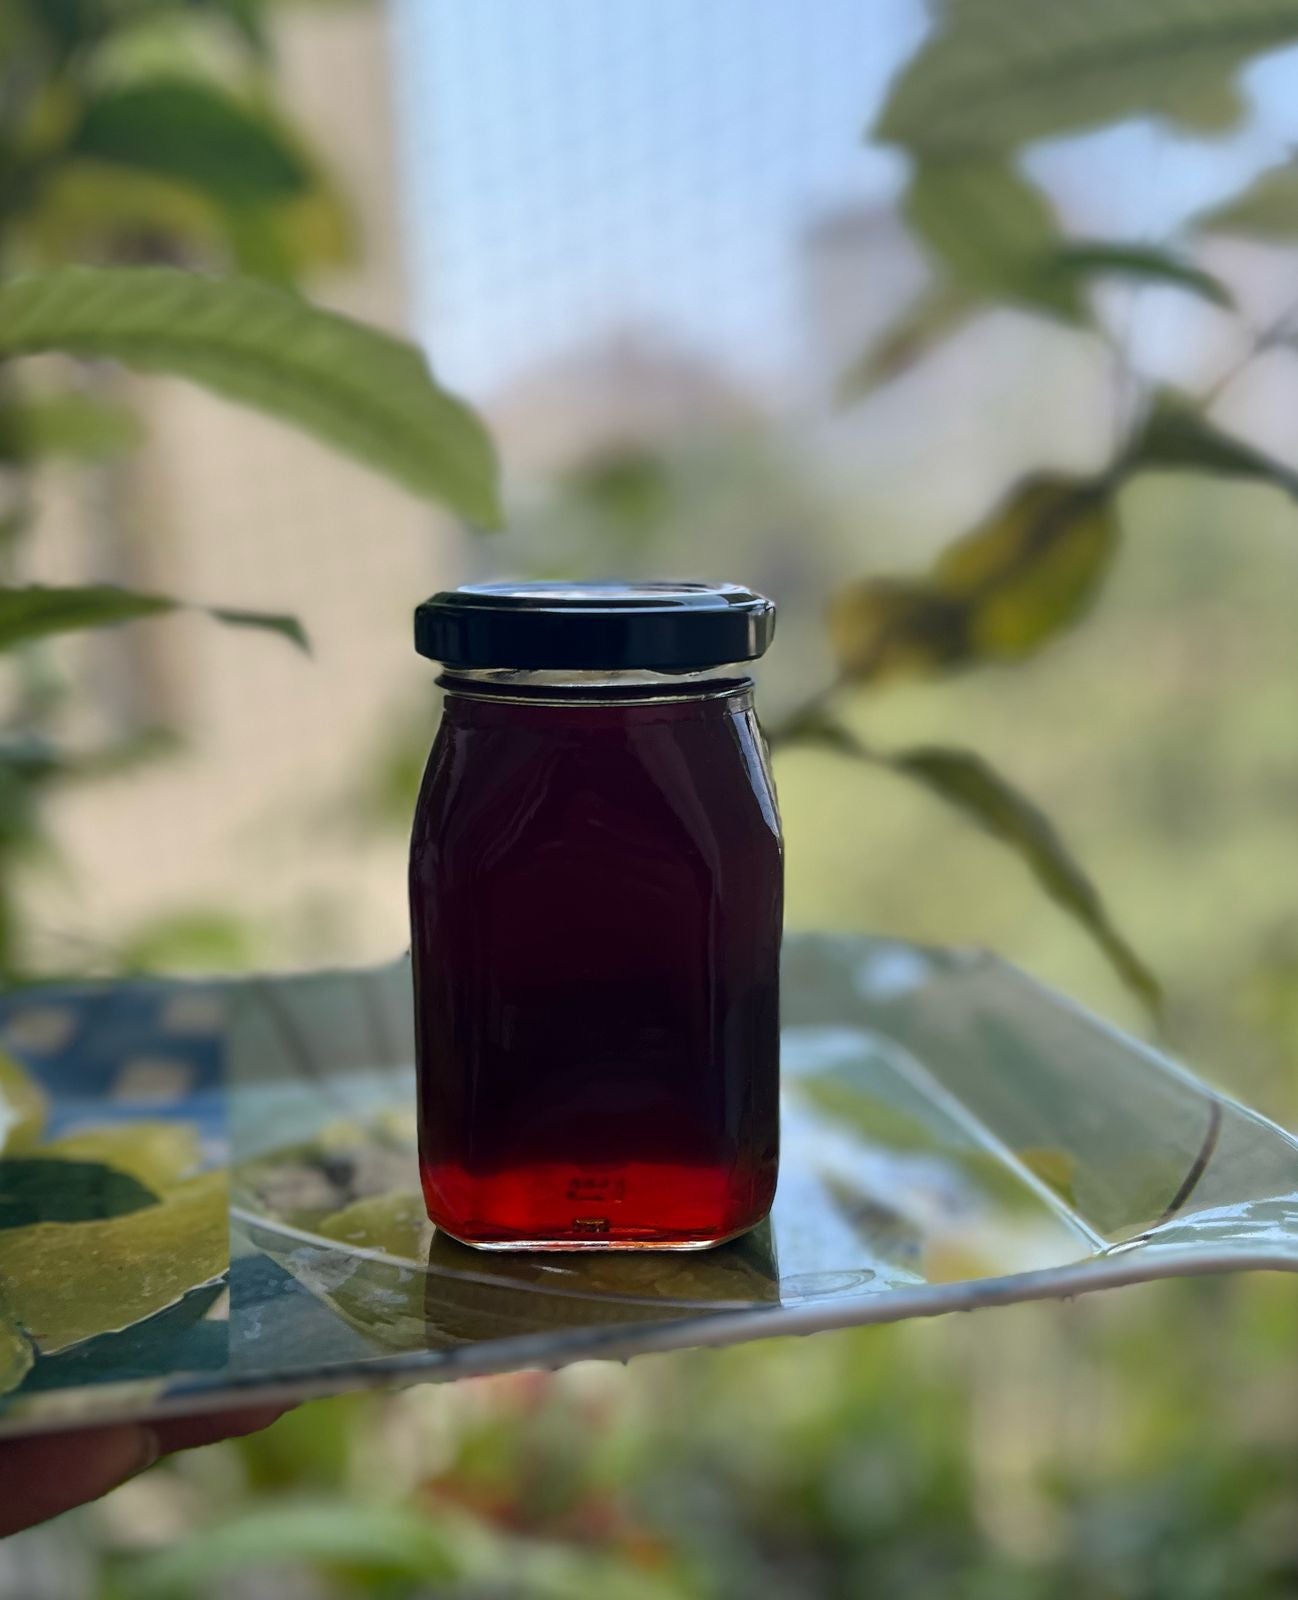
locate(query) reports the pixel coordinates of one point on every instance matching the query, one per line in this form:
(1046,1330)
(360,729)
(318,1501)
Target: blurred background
(809,297)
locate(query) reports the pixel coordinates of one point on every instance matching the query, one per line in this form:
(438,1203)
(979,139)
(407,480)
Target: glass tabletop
(209,1191)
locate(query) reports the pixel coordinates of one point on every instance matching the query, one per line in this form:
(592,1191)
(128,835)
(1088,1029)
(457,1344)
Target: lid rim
(582,627)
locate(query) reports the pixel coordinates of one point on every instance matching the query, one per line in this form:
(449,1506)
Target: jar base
(627,1206)
(607,1246)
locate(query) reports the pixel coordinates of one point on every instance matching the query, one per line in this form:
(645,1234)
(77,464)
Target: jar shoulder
(689,782)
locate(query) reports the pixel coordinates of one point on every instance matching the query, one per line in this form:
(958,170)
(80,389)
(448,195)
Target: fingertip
(150,1449)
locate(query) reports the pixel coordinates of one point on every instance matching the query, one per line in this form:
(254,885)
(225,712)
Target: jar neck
(631,685)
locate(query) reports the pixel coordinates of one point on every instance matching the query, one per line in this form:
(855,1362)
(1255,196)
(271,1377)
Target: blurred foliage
(198,939)
(33,611)
(992,78)
(997,594)
(998,74)
(358,389)
(158,210)
(1177,437)
(976,791)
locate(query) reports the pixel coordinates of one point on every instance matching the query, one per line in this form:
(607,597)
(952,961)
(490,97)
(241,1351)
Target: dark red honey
(596,889)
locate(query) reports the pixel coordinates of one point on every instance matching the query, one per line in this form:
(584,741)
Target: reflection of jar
(595,896)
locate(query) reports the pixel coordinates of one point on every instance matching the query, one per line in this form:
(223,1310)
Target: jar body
(596,893)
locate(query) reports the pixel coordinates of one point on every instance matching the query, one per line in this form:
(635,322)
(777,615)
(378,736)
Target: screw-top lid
(658,627)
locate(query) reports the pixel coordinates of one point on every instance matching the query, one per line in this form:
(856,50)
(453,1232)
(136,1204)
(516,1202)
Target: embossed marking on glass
(596,894)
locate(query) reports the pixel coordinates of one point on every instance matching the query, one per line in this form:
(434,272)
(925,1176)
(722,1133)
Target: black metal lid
(659,627)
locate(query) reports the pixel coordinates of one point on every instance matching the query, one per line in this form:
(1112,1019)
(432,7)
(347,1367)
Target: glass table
(209,1195)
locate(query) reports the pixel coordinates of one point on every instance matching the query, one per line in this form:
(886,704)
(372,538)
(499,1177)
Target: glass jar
(596,889)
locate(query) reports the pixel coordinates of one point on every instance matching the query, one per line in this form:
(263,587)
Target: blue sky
(581,165)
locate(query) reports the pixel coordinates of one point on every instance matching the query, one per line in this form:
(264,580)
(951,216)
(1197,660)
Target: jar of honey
(596,887)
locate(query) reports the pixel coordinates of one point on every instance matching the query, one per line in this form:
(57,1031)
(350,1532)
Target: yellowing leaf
(22,1107)
(64,1282)
(1027,572)
(894,627)
(1033,568)
(158,1154)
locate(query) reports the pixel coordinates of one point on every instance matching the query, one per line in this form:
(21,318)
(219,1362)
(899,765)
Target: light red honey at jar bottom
(596,904)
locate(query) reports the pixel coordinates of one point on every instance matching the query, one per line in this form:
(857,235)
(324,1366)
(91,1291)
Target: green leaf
(1178,438)
(994,237)
(67,424)
(34,1188)
(967,782)
(382,1540)
(66,1283)
(193,133)
(37,612)
(994,74)
(1023,575)
(991,230)
(1073,264)
(280,622)
(940,311)
(1267,209)
(352,386)
(973,787)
